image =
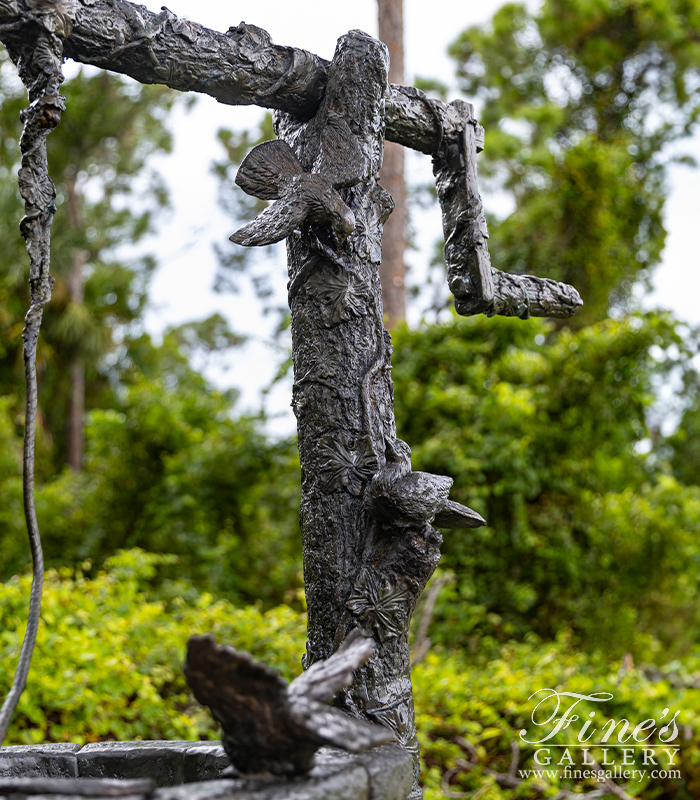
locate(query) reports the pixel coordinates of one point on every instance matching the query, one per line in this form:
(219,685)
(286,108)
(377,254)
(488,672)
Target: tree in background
(579,102)
(392,270)
(590,527)
(544,432)
(173,470)
(112,131)
(262,266)
(99,164)
(685,441)
(169,465)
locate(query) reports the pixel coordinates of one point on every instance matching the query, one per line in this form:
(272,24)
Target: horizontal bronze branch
(522,296)
(239,67)
(244,67)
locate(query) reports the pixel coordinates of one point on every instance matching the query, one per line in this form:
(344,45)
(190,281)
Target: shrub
(540,430)
(488,703)
(108,657)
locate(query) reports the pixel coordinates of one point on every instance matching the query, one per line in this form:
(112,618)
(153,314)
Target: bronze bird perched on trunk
(399,495)
(271,171)
(269,725)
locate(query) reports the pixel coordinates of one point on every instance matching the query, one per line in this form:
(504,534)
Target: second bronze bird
(398,495)
(271,171)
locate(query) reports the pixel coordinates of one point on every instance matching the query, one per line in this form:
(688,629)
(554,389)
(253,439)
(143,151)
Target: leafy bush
(12,529)
(540,430)
(569,96)
(172,470)
(108,657)
(488,703)
(107,666)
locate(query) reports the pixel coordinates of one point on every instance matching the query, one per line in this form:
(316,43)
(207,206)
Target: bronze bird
(269,725)
(399,495)
(271,171)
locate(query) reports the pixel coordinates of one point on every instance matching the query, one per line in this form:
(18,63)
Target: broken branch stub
(476,286)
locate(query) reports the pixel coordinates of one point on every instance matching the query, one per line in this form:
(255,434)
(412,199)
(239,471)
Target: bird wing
(333,726)
(267,170)
(309,693)
(239,691)
(324,678)
(276,222)
(417,496)
(340,159)
(455,515)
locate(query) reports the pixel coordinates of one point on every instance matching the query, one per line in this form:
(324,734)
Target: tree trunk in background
(392,270)
(76,400)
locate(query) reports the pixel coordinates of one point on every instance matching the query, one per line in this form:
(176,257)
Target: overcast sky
(182,288)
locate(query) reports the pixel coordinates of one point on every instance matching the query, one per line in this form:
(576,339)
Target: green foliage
(110,650)
(432,88)
(489,702)
(254,263)
(12,528)
(237,145)
(106,197)
(685,441)
(108,658)
(167,467)
(210,335)
(170,469)
(540,432)
(578,103)
(262,267)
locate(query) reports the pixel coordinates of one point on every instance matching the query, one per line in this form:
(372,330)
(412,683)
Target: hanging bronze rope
(39,64)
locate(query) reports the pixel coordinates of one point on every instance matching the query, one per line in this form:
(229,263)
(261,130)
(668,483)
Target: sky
(182,289)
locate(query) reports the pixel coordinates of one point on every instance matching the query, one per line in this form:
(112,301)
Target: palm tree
(96,155)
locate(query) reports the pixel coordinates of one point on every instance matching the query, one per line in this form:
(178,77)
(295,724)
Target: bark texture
(528,296)
(392,269)
(358,572)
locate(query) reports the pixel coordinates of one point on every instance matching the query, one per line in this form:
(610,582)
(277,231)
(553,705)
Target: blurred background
(168,479)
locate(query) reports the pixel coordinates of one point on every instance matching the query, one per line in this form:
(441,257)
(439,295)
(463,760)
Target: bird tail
(267,168)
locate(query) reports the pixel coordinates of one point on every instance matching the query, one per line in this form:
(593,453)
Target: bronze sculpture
(397,494)
(369,546)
